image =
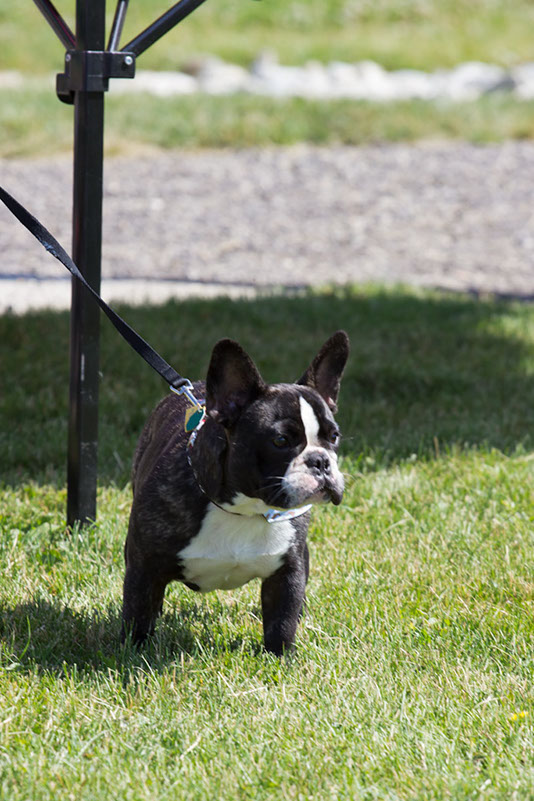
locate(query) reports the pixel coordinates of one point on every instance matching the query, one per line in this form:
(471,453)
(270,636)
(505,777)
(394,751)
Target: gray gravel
(449,215)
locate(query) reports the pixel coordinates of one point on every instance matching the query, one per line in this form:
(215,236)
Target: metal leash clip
(196,414)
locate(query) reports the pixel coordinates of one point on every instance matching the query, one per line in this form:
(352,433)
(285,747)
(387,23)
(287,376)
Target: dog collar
(279,515)
(271,515)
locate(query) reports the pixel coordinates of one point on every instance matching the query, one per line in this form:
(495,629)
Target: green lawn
(34,123)
(413,676)
(424,34)
(398,33)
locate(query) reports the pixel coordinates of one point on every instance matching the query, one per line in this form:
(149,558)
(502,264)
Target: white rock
(413,84)
(473,79)
(373,81)
(342,78)
(268,77)
(523,78)
(215,77)
(161,84)
(364,80)
(10,79)
(315,81)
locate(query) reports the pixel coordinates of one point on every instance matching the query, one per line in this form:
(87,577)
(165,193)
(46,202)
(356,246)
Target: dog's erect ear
(324,373)
(233,381)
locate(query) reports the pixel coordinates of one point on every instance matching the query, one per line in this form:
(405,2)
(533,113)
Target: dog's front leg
(282,599)
(142,603)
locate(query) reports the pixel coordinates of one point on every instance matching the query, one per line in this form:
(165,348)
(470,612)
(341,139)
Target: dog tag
(193,417)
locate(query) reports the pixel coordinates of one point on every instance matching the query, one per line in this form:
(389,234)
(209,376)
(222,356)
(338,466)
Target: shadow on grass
(49,636)
(428,371)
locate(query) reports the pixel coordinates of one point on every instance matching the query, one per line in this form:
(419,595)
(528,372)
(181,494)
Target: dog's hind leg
(142,603)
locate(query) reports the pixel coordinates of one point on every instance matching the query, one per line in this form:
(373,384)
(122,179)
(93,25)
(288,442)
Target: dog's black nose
(319,462)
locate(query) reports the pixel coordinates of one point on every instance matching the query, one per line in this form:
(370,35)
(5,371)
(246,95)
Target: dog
(231,502)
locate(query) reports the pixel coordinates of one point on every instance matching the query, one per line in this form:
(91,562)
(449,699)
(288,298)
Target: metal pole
(160,27)
(86,249)
(56,22)
(118,23)
(88,68)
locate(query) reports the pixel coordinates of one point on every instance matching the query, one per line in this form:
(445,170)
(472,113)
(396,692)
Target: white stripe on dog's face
(302,482)
(310,423)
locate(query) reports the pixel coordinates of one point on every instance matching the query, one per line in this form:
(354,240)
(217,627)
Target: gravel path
(448,215)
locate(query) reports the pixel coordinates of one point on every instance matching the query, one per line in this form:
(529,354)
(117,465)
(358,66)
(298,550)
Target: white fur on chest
(231,549)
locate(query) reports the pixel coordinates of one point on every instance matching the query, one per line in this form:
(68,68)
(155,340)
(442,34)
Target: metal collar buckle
(280,515)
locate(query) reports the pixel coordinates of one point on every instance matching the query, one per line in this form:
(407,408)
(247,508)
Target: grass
(424,34)
(413,678)
(397,33)
(33,123)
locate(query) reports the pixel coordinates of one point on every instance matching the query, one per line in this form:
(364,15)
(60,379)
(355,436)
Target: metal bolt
(67,57)
(128,60)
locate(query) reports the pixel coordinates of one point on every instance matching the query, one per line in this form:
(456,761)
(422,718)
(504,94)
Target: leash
(177,384)
(194,416)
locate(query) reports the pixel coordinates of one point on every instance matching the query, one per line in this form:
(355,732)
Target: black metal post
(118,22)
(88,68)
(86,250)
(56,22)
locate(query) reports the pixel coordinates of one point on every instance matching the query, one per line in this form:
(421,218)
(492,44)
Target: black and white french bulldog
(232,503)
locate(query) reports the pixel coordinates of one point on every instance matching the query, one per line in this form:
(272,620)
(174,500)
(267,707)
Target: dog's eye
(280,441)
(334,437)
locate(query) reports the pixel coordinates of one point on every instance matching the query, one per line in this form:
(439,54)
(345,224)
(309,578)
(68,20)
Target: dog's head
(275,443)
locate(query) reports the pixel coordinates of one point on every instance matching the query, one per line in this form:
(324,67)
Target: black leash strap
(51,244)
